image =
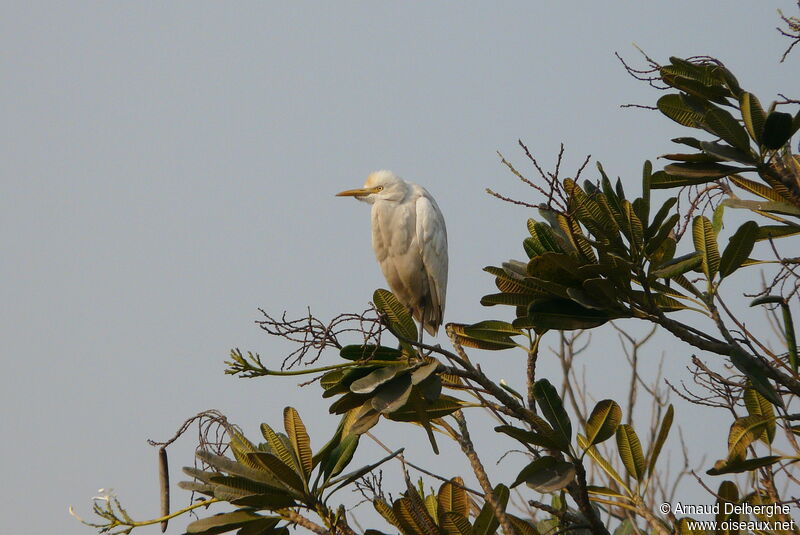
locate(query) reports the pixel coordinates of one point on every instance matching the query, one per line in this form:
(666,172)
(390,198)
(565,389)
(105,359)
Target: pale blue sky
(168,168)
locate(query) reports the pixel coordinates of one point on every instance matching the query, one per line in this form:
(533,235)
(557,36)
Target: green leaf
(424,371)
(455,524)
(740,245)
(674,106)
(331,380)
(323,455)
(603,291)
(625,528)
(774,232)
(486,522)
(493,326)
(690,141)
(603,422)
(716,218)
(397,314)
(753,115)
(694,87)
(437,409)
(385,510)
(788,328)
(543,437)
(239,447)
(412,519)
(704,171)
(224,464)
(588,300)
(392,395)
(553,409)
(366,418)
(429,389)
(236,484)
(757,188)
(347,402)
(368,383)
(679,266)
(777,130)
(764,206)
(280,470)
(664,302)
(611,196)
(660,217)
(633,228)
(757,405)
(707,73)
(561,314)
(497,333)
(788,333)
(343,481)
(298,436)
(796,123)
(663,433)
(369,352)
(431,506)
(341,456)
(655,236)
(271,501)
(224,522)
(338,381)
(554,267)
(736,466)
(647,176)
(532,247)
(256,528)
(728,79)
(697,157)
(544,236)
(630,451)
(603,491)
(600,460)
(767,300)
(727,153)
(721,123)
(485,339)
(522,527)
(664,180)
(453,497)
(705,242)
(194,486)
(281,448)
(745,363)
(743,432)
(512,299)
(727,494)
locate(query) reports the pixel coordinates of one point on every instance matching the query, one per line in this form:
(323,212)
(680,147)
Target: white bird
(410,242)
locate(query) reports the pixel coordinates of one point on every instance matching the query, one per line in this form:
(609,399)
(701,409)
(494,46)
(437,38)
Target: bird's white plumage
(410,242)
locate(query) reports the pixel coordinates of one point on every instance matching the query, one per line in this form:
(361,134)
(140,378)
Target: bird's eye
(379,188)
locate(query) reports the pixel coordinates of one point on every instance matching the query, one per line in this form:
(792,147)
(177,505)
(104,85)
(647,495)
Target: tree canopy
(597,250)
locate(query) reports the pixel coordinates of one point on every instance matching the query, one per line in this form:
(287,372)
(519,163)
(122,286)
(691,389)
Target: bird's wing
(432,238)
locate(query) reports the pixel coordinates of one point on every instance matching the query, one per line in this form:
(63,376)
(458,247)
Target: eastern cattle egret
(410,243)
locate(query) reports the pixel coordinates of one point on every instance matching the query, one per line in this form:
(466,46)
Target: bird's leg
(419,337)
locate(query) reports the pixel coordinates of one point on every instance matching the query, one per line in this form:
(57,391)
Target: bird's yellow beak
(361,192)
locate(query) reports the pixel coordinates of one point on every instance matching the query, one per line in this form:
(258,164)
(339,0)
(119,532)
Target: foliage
(594,255)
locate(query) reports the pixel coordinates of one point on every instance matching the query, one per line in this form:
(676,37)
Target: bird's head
(380,185)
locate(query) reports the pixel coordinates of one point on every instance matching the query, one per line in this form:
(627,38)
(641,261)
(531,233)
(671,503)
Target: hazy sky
(168,168)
